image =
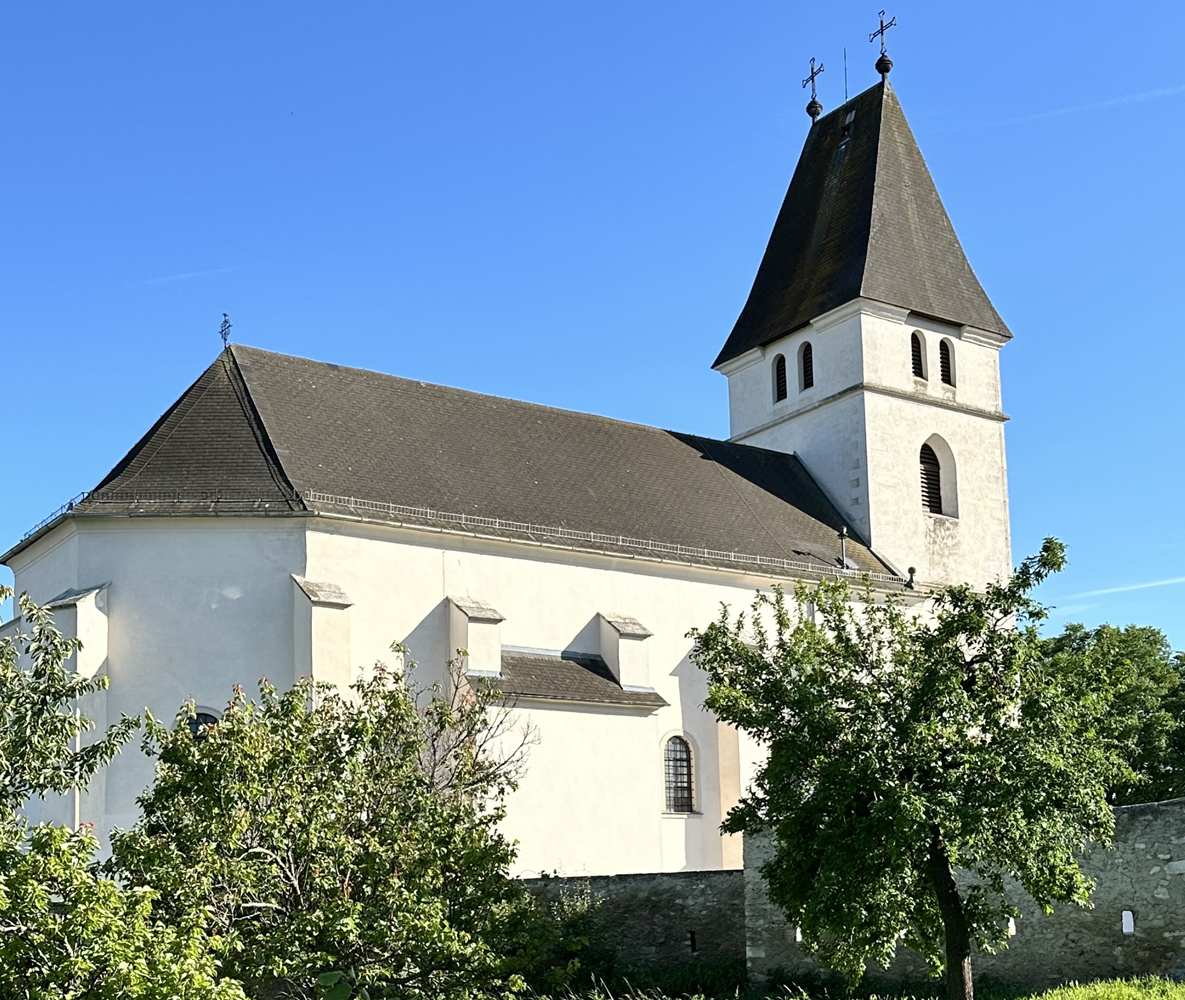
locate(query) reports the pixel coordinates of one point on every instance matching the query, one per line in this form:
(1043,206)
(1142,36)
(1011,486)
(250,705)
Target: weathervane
(814,108)
(884,63)
(224,330)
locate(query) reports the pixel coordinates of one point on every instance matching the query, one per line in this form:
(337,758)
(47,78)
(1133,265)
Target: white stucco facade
(860,427)
(189,607)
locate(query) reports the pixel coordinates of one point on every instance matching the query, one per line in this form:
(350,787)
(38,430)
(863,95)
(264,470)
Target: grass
(1145,988)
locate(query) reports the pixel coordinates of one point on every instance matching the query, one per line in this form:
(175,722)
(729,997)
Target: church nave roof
(273,434)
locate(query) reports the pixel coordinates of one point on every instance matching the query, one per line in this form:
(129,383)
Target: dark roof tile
(862,218)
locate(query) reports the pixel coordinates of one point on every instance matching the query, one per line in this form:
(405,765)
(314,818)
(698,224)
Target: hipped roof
(268,433)
(862,218)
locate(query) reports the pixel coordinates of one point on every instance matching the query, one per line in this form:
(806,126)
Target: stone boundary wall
(651,919)
(1142,876)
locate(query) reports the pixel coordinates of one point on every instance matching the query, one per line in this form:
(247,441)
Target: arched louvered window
(931,480)
(779,378)
(676,759)
(945,363)
(806,366)
(917,355)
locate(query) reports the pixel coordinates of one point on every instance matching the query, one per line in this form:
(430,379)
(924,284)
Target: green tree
(1147,705)
(66,931)
(346,838)
(905,746)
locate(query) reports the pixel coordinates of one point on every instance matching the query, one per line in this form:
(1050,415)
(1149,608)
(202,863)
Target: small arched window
(806,366)
(676,759)
(946,362)
(931,480)
(917,355)
(200,723)
(779,378)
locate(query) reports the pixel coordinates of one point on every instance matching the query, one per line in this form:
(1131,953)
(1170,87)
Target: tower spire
(814,108)
(884,63)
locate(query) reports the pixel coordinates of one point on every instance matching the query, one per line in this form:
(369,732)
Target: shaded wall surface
(1143,875)
(656,919)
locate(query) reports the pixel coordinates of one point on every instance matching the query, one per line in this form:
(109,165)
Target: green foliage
(1146,706)
(903,746)
(38,721)
(719,979)
(66,931)
(348,840)
(573,950)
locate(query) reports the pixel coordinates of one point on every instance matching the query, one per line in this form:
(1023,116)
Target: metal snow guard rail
(68,505)
(624,541)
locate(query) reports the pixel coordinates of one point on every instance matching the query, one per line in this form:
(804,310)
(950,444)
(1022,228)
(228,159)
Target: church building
(290,517)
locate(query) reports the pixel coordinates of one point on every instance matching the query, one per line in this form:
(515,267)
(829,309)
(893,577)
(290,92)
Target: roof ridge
(263,437)
(583,414)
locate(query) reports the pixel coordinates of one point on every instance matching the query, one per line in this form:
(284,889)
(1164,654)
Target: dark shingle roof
(573,677)
(264,432)
(861,218)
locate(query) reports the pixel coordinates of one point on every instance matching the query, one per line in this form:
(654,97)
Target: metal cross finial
(224,330)
(815,71)
(880,32)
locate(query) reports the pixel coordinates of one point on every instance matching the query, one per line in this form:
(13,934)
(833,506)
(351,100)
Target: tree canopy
(66,930)
(346,837)
(905,743)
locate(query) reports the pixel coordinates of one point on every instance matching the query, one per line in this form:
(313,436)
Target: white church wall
(837,362)
(975,545)
(604,765)
(194,606)
(830,441)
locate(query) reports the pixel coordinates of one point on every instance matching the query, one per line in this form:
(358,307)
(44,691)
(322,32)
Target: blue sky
(566,203)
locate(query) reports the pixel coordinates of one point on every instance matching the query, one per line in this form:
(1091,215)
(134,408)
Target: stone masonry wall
(1142,876)
(650,919)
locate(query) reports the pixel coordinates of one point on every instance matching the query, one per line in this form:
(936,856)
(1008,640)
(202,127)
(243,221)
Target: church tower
(868,348)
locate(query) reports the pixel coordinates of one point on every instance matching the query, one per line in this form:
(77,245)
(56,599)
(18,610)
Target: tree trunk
(954,922)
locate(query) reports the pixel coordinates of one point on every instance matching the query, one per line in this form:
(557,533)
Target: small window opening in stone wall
(1128,922)
(779,378)
(917,355)
(946,362)
(691,941)
(677,768)
(931,480)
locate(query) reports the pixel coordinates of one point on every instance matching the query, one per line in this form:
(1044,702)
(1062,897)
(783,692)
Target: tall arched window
(946,362)
(931,480)
(200,723)
(917,355)
(779,378)
(806,366)
(676,759)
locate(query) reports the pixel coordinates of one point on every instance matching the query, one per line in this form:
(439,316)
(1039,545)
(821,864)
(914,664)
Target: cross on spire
(884,63)
(880,32)
(814,108)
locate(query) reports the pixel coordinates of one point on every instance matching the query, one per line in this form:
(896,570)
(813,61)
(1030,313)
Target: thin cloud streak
(189,274)
(1112,102)
(1172,581)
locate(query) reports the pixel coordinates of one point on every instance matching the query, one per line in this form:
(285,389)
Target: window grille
(677,769)
(779,378)
(919,367)
(808,366)
(947,370)
(200,723)
(931,481)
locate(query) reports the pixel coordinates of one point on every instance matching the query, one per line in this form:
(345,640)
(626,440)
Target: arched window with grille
(946,362)
(779,378)
(917,354)
(931,480)
(676,759)
(806,367)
